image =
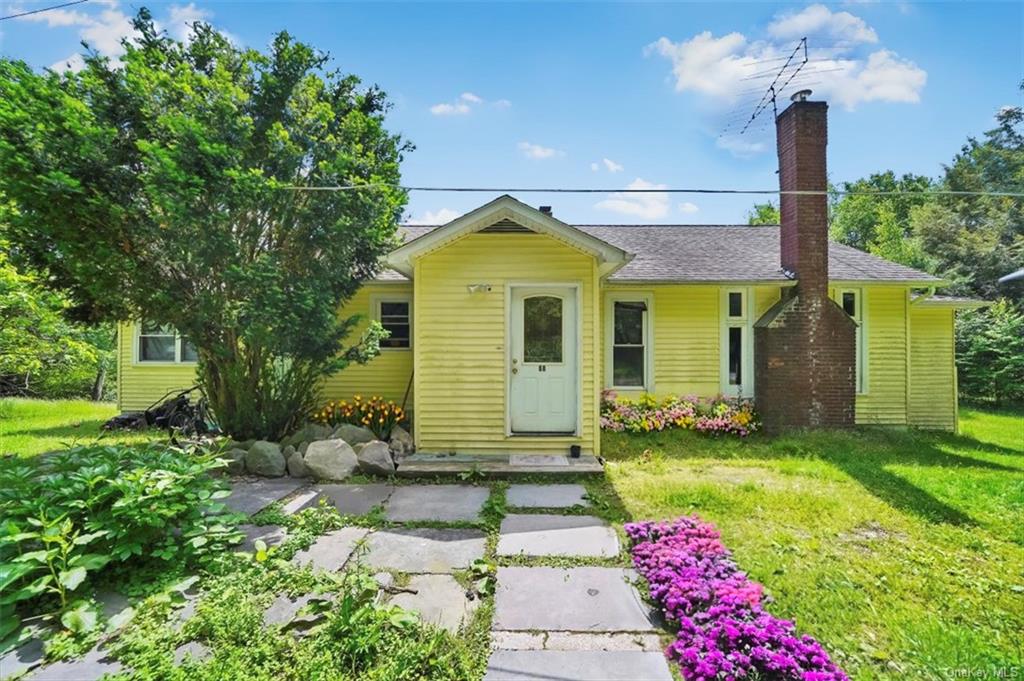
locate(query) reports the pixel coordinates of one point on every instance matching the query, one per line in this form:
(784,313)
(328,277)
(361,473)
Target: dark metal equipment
(175,412)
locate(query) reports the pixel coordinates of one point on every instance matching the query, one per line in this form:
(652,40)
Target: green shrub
(990,353)
(69,514)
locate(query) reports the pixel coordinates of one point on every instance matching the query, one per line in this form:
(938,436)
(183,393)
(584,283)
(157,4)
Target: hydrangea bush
(716,416)
(723,631)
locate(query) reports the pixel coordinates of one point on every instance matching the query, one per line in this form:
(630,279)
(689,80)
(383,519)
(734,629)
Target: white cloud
(611,165)
(74,63)
(819,20)
(181,17)
(687,207)
(439,217)
(465,104)
(537,152)
(739,147)
(595,167)
(445,109)
(725,70)
(651,205)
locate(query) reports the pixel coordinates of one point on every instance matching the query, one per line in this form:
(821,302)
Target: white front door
(543,369)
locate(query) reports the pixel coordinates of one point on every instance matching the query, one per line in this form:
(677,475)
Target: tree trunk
(97,385)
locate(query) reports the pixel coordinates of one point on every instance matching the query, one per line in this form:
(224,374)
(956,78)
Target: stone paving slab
(585,599)
(193,649)
(546,496)
(331,551)
(437,502)
(252,496)
(576,665)
(440,600)
(306,498)
(284,607)
(557,535)
(271,535)
(91,666)
(422,550)
(571,640)
(356,499)
(21,659)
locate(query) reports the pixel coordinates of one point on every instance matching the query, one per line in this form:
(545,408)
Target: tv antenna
(783,76)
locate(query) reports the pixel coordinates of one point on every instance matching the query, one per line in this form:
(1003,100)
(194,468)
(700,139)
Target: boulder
(265,458)
(375,458)
(303,447)
(401,442)
(297,467)
(353,434)
(236,461)
(330,459)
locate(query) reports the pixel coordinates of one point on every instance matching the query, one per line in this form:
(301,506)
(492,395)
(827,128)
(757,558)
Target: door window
(542,330)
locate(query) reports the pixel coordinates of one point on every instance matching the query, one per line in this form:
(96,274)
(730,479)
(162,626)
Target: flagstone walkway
(565,608)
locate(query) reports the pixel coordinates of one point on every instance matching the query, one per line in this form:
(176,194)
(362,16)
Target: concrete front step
(497,465)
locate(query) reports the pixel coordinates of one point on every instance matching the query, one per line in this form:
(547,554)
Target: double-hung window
(852,302)
(628,334)
(395,315)
(157,343)
(737,344)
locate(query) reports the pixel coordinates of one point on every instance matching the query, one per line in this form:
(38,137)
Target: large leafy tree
(160,188)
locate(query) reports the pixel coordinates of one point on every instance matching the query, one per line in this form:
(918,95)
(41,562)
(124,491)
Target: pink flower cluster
(715,416)
(724,633)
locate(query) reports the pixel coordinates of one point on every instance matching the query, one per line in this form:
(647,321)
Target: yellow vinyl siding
(460,340)
(884,401)
(932,388)
(687,334)
(141,384)
(388,374)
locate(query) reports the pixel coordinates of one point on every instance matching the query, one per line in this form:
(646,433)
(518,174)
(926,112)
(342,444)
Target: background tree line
(969,240)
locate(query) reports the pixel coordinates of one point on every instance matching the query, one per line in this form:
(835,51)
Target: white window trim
(745,322)
(137,356)
(861,318)
(609,336)
(375,303)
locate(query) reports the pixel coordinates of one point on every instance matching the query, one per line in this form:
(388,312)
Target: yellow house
(507,324)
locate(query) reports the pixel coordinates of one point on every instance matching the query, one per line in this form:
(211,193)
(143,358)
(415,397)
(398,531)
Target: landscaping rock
(375,459)
(236,461)
(265,458)
(401,442)
(303,447)
(297,467)
(331,459)
(193,649)
(353,434)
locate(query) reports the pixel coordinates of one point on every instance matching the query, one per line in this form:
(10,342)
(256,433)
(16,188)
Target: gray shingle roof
(716,253)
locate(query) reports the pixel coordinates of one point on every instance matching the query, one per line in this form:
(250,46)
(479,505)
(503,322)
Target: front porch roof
(609,258)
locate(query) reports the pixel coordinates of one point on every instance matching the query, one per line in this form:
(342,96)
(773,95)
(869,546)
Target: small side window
(394,316)
(156,343)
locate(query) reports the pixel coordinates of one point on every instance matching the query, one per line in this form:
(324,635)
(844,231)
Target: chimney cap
(800,96)
(545,209)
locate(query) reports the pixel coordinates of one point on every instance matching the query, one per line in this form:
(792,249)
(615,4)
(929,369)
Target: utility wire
(42,9)
(592,190)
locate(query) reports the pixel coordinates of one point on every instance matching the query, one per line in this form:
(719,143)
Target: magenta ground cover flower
(724,633)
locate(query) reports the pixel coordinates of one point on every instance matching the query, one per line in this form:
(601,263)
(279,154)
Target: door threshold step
(497,465)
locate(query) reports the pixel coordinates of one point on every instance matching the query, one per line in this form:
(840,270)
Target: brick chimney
(805,345)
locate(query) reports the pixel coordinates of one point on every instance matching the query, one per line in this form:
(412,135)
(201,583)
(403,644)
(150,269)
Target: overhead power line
(605,190)
(42,9)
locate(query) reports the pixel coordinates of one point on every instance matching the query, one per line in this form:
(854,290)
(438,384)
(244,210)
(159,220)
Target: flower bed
(724,632)
(375,413)
(716,416)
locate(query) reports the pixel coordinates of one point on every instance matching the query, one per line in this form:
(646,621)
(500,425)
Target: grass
(29,427)
(902,551)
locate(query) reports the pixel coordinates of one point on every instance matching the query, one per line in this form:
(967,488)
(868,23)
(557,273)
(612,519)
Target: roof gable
(506,214)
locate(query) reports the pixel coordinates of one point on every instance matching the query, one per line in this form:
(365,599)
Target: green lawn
(29,427)
(902,551)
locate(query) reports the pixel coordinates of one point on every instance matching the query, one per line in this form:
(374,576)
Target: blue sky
(616,95)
